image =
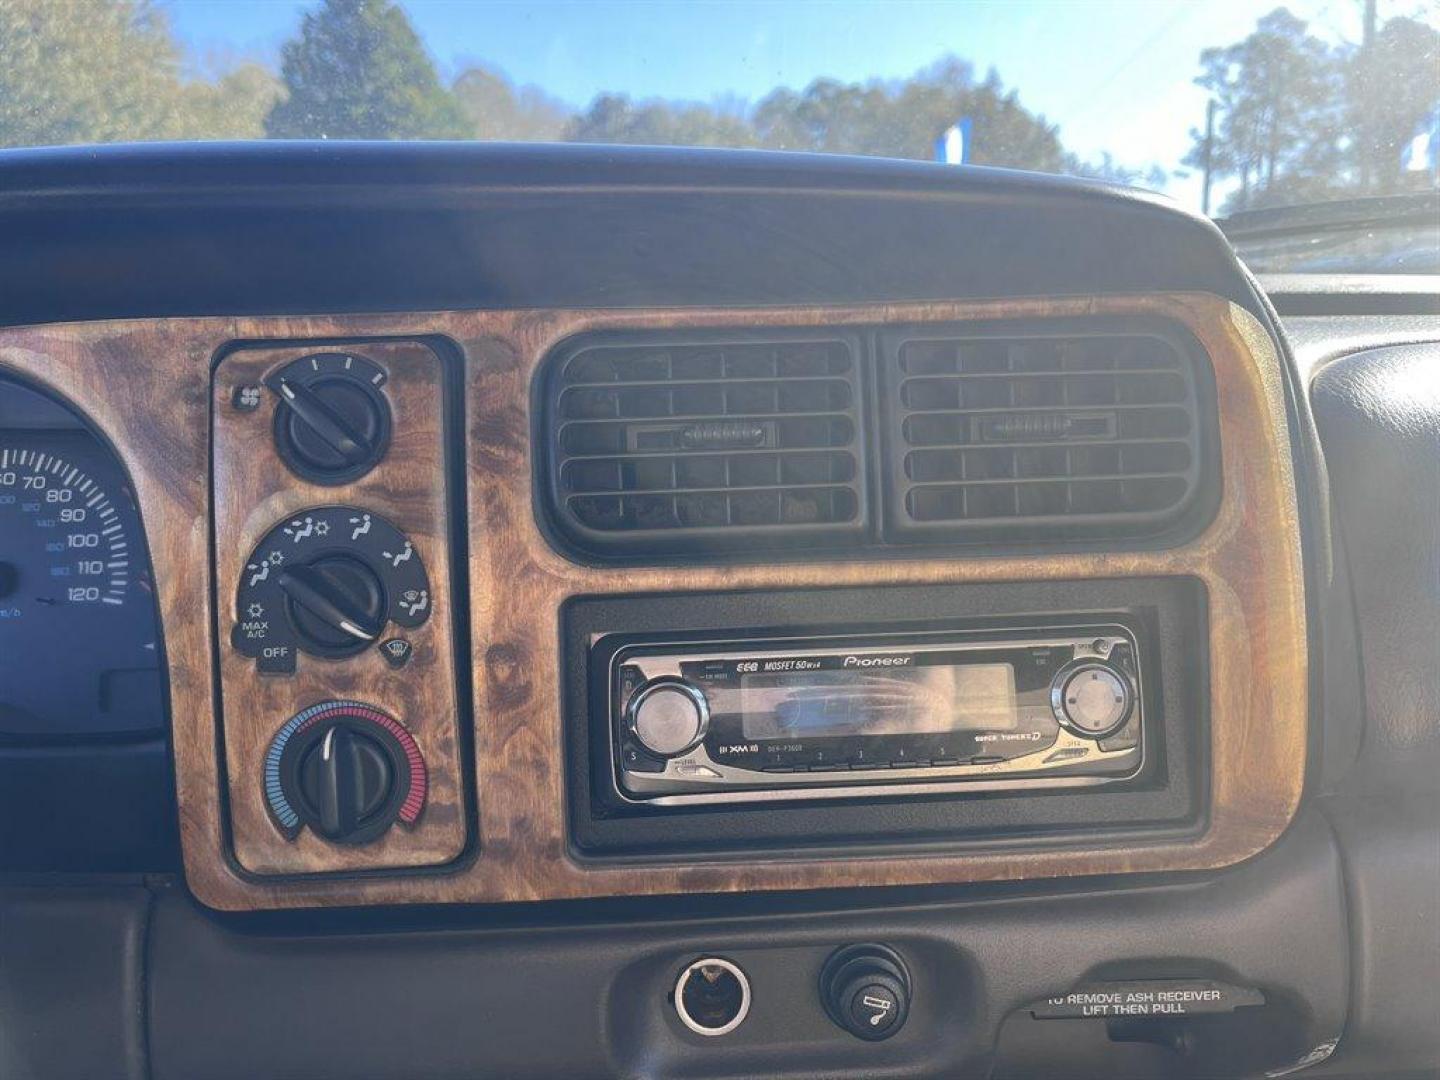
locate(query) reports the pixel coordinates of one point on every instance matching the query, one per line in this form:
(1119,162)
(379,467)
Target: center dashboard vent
(707,444)
(1046,436)
(888,439)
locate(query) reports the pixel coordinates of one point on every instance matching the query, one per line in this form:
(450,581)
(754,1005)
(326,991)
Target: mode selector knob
(329,582)
(668,716)
(336,604)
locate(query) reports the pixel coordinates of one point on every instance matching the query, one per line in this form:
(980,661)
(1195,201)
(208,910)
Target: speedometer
(78,646)
(78,550)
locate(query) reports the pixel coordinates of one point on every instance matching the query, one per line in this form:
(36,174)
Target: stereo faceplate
(797,719)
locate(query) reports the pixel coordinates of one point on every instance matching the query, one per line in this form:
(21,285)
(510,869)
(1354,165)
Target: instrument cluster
(79,638)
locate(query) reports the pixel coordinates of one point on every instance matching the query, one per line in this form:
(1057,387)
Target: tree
(903,119)
(1391,85)
(1108,169)
(233,106)
(108,72)
(1280,128)
(900,118)
(494,108)
(82,73)
(359,71)
(614,118)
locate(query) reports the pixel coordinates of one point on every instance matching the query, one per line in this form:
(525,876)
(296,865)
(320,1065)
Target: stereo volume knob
(1091,699)
(669,716)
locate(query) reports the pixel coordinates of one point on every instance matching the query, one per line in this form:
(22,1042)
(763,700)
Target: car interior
(579,610)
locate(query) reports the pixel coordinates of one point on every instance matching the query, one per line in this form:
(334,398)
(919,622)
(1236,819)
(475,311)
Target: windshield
(1225,106)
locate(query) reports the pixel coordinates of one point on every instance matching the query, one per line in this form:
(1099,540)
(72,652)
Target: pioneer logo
(878,661)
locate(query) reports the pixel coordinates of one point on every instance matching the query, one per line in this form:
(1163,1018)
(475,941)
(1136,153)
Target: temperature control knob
(332,423)
(1091,699)
(346,770)
(669,716)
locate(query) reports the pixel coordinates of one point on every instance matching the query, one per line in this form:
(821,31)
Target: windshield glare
(1227,106)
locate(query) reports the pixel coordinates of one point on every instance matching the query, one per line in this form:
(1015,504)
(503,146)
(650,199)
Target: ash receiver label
(1159,998)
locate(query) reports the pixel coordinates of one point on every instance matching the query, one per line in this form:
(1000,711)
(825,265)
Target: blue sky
(1115,75)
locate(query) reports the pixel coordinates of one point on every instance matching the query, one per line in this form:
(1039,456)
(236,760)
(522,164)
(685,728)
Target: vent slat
(1043,434)
(1133,374)
(573,457)
(1020,481)
(1002,409)
(700,416)
(658,444)
(712,490)
(681,384)
(1044,444)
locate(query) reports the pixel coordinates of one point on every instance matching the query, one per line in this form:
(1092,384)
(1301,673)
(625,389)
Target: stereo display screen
(907,701)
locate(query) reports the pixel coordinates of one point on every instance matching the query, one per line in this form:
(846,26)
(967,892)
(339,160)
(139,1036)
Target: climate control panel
(341,709)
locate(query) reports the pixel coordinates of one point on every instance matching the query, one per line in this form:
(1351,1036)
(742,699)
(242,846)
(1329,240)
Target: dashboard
(738,600)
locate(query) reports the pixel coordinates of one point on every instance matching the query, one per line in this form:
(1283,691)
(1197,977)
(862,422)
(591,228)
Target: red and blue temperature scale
(285,815)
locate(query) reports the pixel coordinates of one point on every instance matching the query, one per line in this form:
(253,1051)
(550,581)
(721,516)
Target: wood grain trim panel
(146,383)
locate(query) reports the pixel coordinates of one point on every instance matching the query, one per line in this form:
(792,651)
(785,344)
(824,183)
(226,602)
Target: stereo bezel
(1165,801)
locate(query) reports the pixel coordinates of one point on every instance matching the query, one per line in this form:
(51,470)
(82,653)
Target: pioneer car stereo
(812,718)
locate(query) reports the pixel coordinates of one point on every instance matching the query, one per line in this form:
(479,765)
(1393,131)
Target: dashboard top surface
(291,228)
